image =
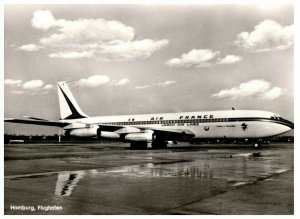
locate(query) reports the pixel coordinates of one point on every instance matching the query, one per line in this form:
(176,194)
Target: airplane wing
(169,133)
(111,128)
(37,122)
(176,133)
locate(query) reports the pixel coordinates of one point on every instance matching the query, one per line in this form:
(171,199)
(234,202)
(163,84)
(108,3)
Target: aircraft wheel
(138,145)
(159,144)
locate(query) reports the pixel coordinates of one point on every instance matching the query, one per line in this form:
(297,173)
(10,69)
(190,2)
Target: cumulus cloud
(34,84)
(87,31)
(260,89)
(132,49)
(119,82)
(28,86)
(81,38)
(202,58)
(273,93)
(230,59)
(199,58)
(268,35)
(12,82)
(94,81)
(30,47)
(42,20)
(159,84)
(97,80)
(48,87)
(71,55)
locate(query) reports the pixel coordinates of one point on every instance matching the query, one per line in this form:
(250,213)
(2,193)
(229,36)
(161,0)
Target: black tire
(138,145)
(159,144)
(99,134)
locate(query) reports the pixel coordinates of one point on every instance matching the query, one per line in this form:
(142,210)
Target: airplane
(159,129)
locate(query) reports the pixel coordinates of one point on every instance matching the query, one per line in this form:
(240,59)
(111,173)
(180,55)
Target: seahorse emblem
(244,126)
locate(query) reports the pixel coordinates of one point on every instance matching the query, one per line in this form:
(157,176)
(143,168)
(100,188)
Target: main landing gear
(138,145)
(158,143)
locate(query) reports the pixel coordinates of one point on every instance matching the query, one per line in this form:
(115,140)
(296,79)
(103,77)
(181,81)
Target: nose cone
(284,129)
(287,123)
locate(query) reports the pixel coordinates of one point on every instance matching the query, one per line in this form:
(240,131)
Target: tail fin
(69,108)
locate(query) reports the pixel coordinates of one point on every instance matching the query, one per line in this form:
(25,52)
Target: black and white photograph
(149,109)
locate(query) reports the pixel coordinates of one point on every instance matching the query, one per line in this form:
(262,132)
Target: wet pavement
(112,179)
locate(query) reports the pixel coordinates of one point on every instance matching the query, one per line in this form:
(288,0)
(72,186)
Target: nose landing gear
(256,145)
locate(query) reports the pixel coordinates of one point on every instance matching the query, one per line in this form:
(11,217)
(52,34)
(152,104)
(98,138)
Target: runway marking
(263,178)
(282,171)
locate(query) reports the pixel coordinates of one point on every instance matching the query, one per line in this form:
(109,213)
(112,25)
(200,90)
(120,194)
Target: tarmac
(111,179)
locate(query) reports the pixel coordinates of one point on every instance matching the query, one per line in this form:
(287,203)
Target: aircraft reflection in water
(241,172)
(67,181)
(188,170)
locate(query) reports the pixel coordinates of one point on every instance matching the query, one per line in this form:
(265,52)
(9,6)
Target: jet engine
(93,131)
(139,137)
(84,132)
(105,134)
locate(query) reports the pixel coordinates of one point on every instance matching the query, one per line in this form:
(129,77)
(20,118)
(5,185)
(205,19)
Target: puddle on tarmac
(237,170)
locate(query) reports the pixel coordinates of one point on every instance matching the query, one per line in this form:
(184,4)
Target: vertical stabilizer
(69,108)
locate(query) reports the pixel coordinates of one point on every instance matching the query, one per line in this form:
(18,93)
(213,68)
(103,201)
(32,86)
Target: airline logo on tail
(69,108)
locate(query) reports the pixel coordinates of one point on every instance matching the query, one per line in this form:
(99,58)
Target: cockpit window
(275,117)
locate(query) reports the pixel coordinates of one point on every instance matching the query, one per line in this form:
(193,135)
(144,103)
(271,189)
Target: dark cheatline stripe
(238,119)
(75,114)
(280,121)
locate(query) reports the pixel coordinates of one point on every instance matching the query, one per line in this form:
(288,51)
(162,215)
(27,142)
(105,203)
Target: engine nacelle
(93,132)
(109,135)
(139,137)
(84,132)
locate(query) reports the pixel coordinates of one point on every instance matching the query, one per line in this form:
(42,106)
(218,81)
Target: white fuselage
(209,124)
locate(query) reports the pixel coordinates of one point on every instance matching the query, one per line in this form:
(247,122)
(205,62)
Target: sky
(136,59)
